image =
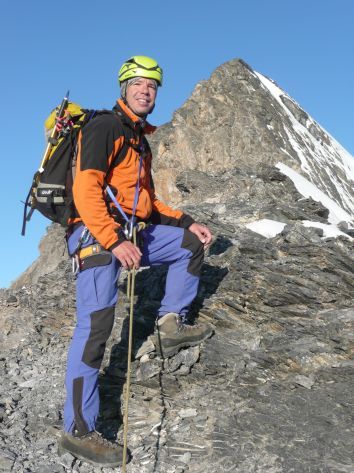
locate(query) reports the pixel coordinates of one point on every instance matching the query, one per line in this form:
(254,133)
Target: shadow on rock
(149,290)
(220,245)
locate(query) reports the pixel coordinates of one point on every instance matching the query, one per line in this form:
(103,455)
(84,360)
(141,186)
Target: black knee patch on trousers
(192,243)
(80,424)
(101,327)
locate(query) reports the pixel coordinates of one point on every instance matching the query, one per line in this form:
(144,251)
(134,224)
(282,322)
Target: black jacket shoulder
(98,138)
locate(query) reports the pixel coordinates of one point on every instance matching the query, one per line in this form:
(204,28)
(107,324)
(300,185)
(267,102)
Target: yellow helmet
(140,66)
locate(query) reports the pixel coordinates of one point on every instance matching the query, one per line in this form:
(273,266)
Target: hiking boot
(173,334)
(92,448)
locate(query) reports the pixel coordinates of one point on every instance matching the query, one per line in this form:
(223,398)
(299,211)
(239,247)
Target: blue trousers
(96,297)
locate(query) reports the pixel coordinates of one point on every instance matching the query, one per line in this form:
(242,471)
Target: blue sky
(47,48)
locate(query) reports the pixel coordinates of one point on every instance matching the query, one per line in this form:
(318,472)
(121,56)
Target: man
(114,158)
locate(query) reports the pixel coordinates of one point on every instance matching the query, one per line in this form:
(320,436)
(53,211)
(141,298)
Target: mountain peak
(241,118)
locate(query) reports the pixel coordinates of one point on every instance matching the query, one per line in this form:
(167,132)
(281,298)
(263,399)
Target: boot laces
(182,327)
(97,437)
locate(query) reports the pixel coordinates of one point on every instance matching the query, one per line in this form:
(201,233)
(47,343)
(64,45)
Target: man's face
(141,95)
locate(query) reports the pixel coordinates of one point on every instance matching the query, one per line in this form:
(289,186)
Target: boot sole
(63,450)
(170,351)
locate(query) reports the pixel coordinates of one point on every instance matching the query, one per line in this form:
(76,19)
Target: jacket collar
(131,119)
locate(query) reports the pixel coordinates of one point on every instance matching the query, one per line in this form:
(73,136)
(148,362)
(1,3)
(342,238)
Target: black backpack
(51,189)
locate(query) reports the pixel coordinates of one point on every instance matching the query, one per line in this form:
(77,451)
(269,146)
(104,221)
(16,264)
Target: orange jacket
(99,143)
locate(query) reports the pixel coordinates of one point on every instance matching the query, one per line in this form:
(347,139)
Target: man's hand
(202,232)
(128,254)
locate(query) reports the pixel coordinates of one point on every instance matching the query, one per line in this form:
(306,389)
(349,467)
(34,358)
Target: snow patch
(307,189)
(329,231)
(266,227)
(271,228)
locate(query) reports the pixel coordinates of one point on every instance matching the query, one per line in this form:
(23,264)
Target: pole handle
(54,133)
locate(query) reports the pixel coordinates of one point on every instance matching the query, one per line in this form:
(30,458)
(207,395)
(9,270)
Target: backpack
(51,189)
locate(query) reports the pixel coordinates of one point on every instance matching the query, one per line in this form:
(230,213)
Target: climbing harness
(77,254)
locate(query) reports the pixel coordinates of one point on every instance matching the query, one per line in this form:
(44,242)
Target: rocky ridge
(271,391)
(240,119)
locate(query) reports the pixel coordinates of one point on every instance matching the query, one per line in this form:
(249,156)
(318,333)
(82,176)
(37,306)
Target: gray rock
(185,458)
(305,381)
(186,413)
(7,459)
(12,299)
(146,348)
(148,370)
(185,358)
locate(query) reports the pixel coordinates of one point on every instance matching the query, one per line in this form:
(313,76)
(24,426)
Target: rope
(127,389)
(131,289)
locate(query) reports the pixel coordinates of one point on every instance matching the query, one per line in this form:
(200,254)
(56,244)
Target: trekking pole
(131,280)
(54,134)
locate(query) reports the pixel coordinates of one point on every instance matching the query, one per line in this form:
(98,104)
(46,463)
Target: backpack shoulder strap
(126,145)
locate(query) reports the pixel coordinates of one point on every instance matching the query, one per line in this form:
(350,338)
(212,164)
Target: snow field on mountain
(270,228)
(307,189)
(316,157)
